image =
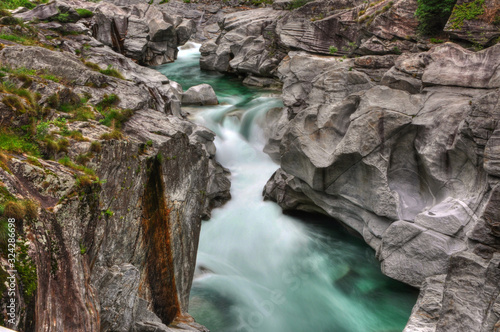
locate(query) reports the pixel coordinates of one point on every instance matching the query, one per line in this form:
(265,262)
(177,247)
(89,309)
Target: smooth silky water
(260,270)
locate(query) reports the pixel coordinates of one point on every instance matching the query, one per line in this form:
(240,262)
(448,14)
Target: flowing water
(260,270)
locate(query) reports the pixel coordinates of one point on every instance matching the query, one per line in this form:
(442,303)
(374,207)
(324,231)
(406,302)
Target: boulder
(202,94)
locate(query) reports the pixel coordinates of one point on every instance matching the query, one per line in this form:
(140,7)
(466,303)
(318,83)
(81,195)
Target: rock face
(409,163)
(247,44)
(255,41)
(480,29)
(141,32)
(115,253)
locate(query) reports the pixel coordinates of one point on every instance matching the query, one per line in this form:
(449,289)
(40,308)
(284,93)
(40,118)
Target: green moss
(26,269)
(466,11)
(297,4)
(51,78)
(84,13)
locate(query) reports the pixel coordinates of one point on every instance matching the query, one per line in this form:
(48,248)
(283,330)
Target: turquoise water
(260,270)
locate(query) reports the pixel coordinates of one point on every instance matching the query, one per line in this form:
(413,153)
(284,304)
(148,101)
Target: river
(261,270)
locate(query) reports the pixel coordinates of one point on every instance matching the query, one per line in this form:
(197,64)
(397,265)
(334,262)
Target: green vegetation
(333,50)
(117,116)
(66,161)
(436,41)
(83,249)
(26,269)
(14,143)
(107,102)
(433,15)
(115,134)
(110,71)
(95,146)
(466,11)
(108,213)
(298,3)
(163,1)
(62,17)
(13,4)
(84,13)
(51,78)
(91,65)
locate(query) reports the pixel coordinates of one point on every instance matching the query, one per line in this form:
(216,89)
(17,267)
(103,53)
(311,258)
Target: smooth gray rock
(409,164)
(202,94)
(477,69)
(425,313)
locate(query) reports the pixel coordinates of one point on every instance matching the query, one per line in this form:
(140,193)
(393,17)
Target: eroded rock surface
(408,162)
(114,250)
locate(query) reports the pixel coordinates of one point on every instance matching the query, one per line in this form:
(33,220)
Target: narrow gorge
(286,165)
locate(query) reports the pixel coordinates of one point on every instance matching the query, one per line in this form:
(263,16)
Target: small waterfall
(260,270)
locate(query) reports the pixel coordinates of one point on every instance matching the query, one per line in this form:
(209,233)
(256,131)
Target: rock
(475,68)
(202,94)
(121,249)
(409,164)
(141,32)
(184,31)
(411,253)
(480,30)
(401,81)
(49,11)
(471,287)
(262,82)
(425,313)
(247,44)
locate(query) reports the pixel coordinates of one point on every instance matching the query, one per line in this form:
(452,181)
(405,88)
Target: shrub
(333,49)
(433,15)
